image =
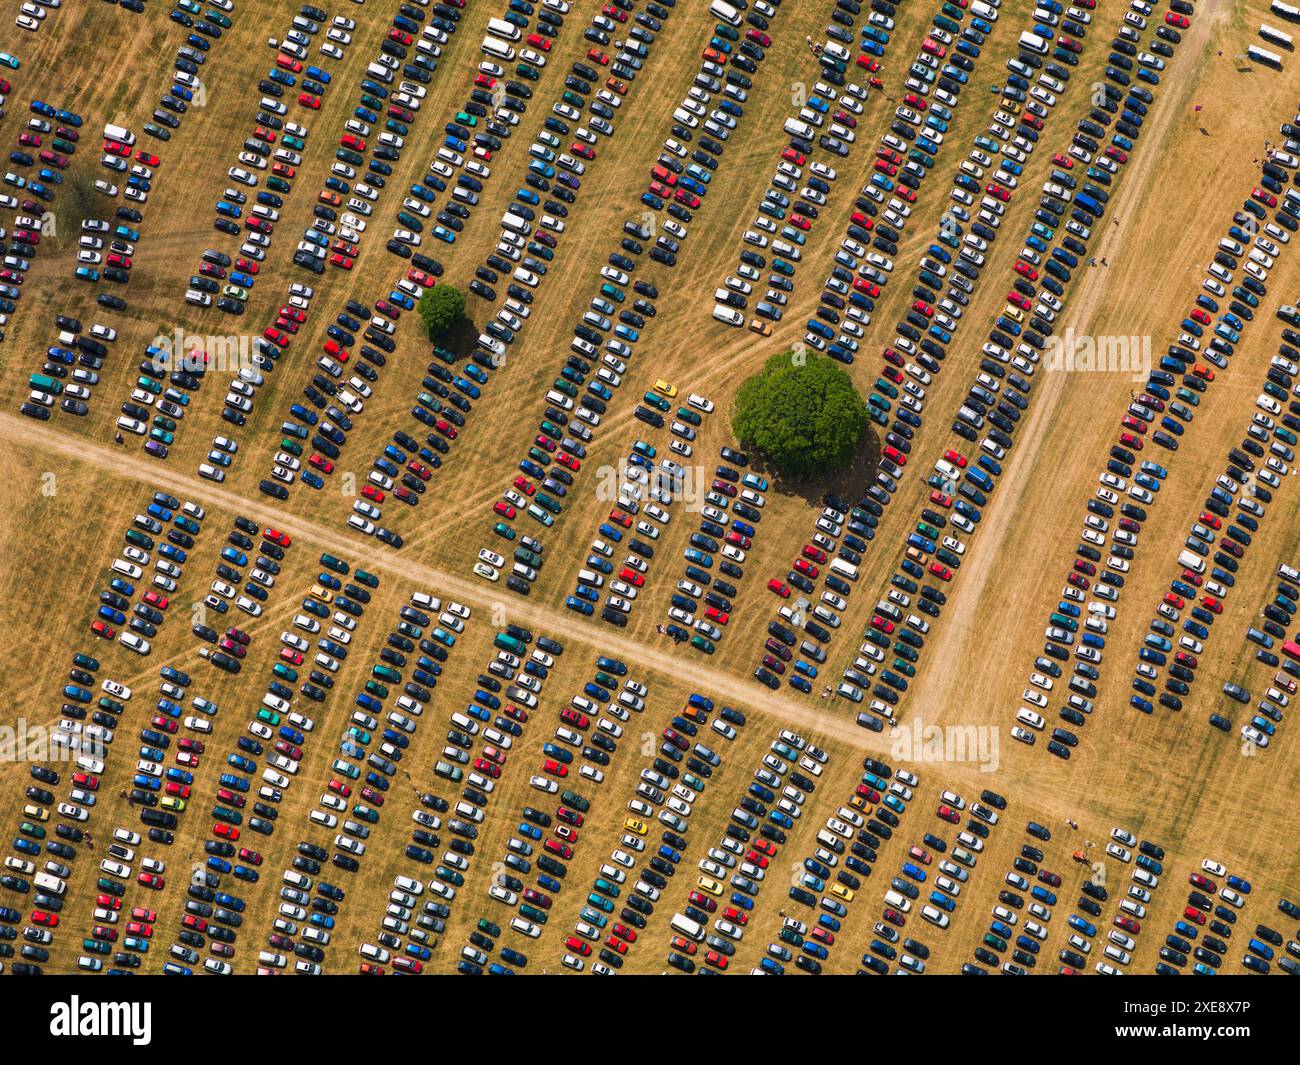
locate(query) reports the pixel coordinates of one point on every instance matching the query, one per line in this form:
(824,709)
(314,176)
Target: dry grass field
(69,492)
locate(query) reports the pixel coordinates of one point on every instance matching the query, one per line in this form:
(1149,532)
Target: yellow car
(842,892)
(664,388)
(859,803)
(633,825)
(707,883)
(1014,313)
(172,802)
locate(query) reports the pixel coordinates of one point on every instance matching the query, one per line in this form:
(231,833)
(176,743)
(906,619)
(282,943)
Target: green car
(701,644)
(235,292)
(503,530)
(658,402)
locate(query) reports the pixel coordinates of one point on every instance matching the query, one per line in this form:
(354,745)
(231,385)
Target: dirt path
(473,593)
(960,625)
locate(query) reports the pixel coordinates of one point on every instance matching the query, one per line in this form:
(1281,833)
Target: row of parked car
(1207,571)
(1205,926)
(671,785)
(277,733)
(85,731)
(1162,390)
(784,196)
(837,547)
(590,729)
(845,854)
(983,403)
(643,483)
(443,401)
(518,670)
(271,153)
(339,219)
(378,739)
(38,164)
(608,313)
(692,943)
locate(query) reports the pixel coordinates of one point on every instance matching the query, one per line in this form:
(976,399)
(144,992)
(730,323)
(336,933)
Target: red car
(102,630)
(1127,923)
(578,946)
(306,99)
(1025,270)
(556,769)
(941,571)
(947,813)
(955,457)
(780,587)
(1175,19)
(894,455)
(152,880)
(1191,913)
(806,568)
(344,262)
(814,553)
(998,192)
(225,831)
(50,920)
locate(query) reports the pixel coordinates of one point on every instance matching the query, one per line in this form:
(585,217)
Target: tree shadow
(461,338)
(849,483)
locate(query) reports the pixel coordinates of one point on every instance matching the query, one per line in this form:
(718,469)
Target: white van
(51,885)
(687,927)
(897,901)
(844,569)
(1033,43)
(119,133)
(984,11)
(1191,561)
(497,49)
(506,30)
(799,129)
(724,11)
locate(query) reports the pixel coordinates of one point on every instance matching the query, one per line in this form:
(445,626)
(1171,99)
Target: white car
(1213,868)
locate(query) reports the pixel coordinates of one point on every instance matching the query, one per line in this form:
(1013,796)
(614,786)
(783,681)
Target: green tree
(442,308)
(802,414)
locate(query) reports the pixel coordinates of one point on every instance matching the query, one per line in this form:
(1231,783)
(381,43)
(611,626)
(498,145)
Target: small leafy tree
(802,414)
(442,309)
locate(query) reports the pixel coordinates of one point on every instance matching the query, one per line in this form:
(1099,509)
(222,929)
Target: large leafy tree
(802,413)
(442,308)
